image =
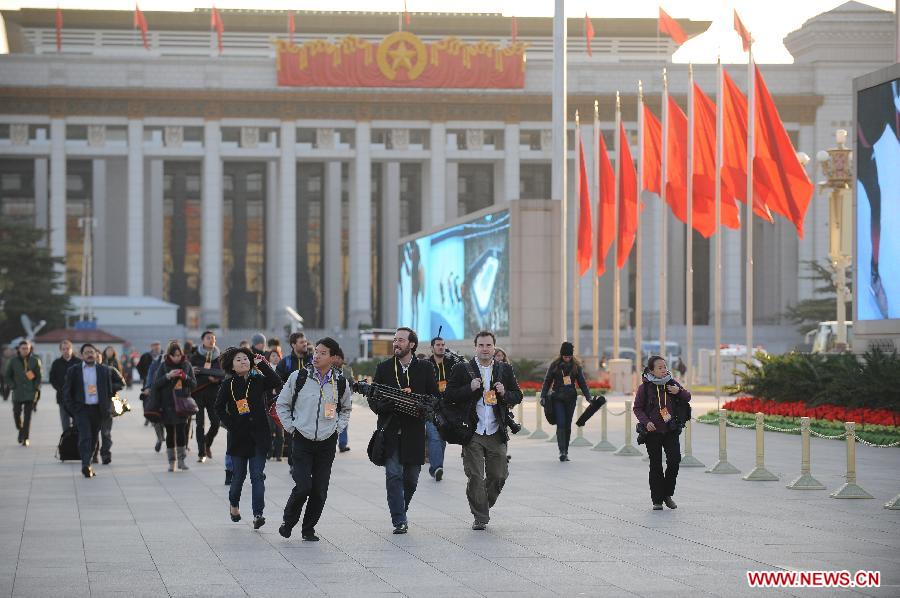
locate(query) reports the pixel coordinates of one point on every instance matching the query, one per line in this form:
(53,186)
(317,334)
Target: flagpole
(717,281)
(595,323)
(638,253)
(751,123)
(560,154)
(576,273)
(617,277)
(664,225)
(689,250)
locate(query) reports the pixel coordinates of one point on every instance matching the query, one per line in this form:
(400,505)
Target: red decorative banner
(402,59)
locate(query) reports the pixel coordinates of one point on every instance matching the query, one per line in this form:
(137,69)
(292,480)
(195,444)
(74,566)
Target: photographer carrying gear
(564,377)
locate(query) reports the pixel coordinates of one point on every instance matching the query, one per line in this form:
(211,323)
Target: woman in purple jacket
(654,407)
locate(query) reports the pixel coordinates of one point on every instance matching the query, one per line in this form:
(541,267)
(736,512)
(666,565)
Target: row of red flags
(781,185)
(666,25)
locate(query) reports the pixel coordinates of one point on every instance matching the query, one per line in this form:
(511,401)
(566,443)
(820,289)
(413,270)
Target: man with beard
(205,359)
(299,357)
(404,434)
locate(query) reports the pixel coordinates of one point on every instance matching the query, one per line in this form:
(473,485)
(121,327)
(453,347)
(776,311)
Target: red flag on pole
(652,155)
(705,170)
(515,30)
(59,26)
(670,27)
(405,13)
(746,38)
(628,200)
(292,27)
(141,23)
(676,161)
(585,236)
(606,206)
(734,142)
(588,33)
(780,180)
(217,24)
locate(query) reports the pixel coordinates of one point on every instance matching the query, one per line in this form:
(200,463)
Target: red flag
(670,27)
(292,27)
(652,155)
(59,26)
(628,199)
(606,206)
(734,141)
(588,33)
(779,178)
(676,161)
(141,23)
(585,237)
(746,38)
(705,170)
(515,30)
(405,13)
(217,24)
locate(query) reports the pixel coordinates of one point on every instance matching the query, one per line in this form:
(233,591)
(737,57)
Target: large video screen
(878,202)
(457,280)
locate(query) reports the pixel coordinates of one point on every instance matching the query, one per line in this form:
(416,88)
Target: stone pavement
(579,528)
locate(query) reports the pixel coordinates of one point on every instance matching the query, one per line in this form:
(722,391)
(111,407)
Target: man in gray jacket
(313,416)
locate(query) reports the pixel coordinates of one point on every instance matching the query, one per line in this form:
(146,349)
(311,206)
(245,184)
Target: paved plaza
(582,528)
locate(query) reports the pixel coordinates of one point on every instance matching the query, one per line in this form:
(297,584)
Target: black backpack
(454,422)
(67,449)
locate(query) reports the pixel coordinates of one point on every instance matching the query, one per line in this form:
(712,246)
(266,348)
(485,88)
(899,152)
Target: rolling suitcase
(67,450)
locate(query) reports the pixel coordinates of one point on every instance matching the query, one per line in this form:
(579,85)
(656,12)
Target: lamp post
(836,166)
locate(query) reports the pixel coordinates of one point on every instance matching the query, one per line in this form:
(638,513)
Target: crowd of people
(296,405)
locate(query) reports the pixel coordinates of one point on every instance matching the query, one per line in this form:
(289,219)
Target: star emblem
(401,57)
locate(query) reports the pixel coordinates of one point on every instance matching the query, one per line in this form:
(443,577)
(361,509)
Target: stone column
(211,228)
(652,249)
(732,275)
(287,223)
(155,231)
(332,258)
(41,197)
(390,261)
(98,211)
(437,177)
(511,161)
(451,202)
(58,191)
(272,285)
(360,291)
(136,206)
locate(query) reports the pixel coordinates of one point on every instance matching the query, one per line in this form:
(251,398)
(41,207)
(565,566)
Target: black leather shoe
(235,514)
(438,474)
(344,449)
(670,503)
(657,506)
(87,472)
(401,528)
(258,522)
(310,537)
(284,530)
(479,526)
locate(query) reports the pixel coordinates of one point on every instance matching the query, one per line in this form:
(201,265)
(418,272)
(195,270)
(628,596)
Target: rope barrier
(777,429)
(867,443)
(623,412)
(835,437)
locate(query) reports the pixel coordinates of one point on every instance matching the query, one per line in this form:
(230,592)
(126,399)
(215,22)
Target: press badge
(29,374)
(207,365)
(567,380)
(330,410)
(490,397)
(178,384)
(243,406)
(442,385)
(92,389)
(664,413)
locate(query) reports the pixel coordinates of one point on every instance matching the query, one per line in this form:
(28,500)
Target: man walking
(404,435)
(205,360)
(58,370)
(314,407)
(87,395)
(148,358)
(23,375)
(488,389)
(299,357)
(443,365)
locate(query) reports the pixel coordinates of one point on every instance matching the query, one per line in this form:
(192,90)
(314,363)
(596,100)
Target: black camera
(511,423)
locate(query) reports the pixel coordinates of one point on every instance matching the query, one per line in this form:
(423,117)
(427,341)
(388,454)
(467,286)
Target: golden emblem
(402,51)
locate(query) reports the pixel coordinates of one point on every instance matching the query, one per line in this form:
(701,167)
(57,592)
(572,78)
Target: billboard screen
(457,278)
(878,202)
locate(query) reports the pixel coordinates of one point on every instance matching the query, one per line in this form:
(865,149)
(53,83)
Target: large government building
(218,188)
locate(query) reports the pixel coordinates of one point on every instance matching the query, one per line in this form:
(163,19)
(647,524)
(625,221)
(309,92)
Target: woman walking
(242,406)
(564,377)
(174,375)
(655,408)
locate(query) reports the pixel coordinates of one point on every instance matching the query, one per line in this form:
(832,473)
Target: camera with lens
(511,423)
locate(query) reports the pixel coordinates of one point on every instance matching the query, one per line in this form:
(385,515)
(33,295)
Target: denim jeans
(401,481)
(257,464)
(229,463)
(564,409)
(344,437)
(436,446)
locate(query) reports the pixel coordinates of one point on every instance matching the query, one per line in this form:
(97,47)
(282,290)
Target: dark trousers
(87,421)
(23,425)
(311,463)
(663,485)
(106,442)
(176,435)
(276,449)
(401,480)
(564,409)
(484,463)
(205,438)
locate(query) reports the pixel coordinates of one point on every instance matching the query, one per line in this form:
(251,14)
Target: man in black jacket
(148,358)
(206,359)
(58,379)
(87,395)
(299,357)
(488,388)
(443,363)
(404,434)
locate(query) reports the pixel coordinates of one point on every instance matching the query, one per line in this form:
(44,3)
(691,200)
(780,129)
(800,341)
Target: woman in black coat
(564,377)
(174,376)
(242,406)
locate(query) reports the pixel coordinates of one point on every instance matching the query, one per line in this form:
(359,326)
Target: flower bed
(862,415)
(599,386)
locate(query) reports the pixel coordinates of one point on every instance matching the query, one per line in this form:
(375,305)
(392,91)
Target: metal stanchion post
(760,473)
(538,433)
(805,481)
(627,449)
(580,440)
(850,489)
(521,418)
(688,459)
(722,465)
(604,444)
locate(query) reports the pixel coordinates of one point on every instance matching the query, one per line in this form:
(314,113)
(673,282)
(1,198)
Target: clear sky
(768,20)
